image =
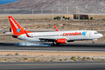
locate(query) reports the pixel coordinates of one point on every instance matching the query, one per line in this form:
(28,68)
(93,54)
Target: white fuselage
(68,35)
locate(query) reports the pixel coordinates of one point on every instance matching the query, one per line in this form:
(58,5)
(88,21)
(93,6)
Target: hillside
(54,6)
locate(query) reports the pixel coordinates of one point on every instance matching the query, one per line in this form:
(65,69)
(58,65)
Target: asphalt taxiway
(64,47)
(52,66)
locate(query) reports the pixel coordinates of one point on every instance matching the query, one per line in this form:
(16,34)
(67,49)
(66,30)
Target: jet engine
(61,41)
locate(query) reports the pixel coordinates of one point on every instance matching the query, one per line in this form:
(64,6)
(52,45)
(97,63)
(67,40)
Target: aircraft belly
(24,37)
(52,37)
(33,39)
(76,37)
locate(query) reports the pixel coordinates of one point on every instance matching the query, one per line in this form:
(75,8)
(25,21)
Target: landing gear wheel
(93,42)
(55,44)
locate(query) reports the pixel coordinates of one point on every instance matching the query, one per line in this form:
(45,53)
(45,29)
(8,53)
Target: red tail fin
(16,28)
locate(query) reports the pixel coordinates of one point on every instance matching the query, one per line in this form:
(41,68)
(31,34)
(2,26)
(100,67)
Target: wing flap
(47,39)
(50,39)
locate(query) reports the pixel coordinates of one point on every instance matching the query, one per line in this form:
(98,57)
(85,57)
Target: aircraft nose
(101,35)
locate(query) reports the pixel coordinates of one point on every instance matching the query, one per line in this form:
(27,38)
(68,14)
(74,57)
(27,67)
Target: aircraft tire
(55,44)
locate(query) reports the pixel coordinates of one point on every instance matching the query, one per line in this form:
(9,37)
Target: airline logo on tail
(14,23)
(18,30)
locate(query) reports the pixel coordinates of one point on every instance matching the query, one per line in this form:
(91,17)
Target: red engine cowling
(62,40)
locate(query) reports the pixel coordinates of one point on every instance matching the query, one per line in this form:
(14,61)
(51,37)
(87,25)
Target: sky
(7,1)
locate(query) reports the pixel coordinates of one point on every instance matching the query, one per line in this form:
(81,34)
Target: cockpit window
(96,33)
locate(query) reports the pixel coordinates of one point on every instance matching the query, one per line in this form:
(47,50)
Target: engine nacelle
(63,41)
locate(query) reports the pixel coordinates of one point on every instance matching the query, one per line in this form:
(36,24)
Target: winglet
(56,28)
(26,33)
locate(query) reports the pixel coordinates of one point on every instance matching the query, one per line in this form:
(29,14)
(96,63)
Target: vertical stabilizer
(16,28)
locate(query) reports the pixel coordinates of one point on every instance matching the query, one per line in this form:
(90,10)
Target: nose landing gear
(94,41)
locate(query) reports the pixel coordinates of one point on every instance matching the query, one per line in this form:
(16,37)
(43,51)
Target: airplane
(56,37)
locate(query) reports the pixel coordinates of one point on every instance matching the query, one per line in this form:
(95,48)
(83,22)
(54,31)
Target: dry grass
(40,53)
(50,56)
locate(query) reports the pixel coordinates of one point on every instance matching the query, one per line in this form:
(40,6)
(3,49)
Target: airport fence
(32,11)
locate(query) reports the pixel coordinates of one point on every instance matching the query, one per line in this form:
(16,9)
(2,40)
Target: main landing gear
(55,44)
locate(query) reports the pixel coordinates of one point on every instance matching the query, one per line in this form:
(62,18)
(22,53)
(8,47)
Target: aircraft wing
(48,39)
(51,39)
